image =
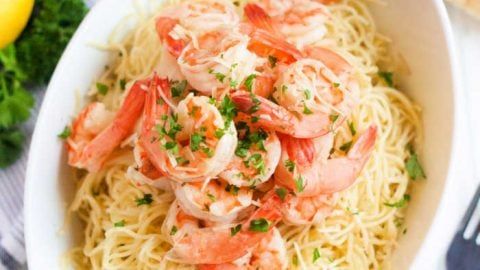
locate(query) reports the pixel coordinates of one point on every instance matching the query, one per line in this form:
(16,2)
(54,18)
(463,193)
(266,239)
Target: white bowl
(420,31)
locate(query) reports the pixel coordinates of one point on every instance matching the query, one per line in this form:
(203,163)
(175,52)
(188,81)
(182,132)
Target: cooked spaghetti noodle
(363,227)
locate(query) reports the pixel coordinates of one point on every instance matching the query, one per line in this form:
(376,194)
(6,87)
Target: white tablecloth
(457,196)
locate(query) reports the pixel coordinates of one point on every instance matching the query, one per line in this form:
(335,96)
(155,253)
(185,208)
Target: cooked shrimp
(96,132)
(274,117)
(216,201)
(306,210)
(224,245)
(301,22)
(183,145)
(177,223)
(270,253)
(218,62)
(179,24)
(256,156)
(305,168)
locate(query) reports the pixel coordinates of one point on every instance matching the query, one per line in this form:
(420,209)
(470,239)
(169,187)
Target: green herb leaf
(334,117)
(249,81)
(351,126)
(346,146)
(123,83)
(290,165)
(401,203)
(211,197)
(281,192)
(232,189)
(147,199)
(259,225)
(195,140)
(307,93)
(414,168)
(272,60)
(102,88)
(336,84)
(219,76)
(316,255)
(11,141)
(235,230)
(306,110)
(65,133)
(120,223)
(172,146)
(387,77)
(174,230)
(299,184)
(228,109)
(178,88)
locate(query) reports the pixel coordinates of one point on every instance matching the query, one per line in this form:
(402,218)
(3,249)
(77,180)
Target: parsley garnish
(174,230)
(65,133)
(177,88)
(120,223)
(336,84)
(316,255)
(219,76)
(123,83)
(333,117)
(232,189)
(259,225)
(257,162)
(249,81)
(281,192)
(290,165)
(228,109)
(387,77)
(235,230)
(414,168)
(195,140)
(102,88)
(147,199)
(299,184)
(306,110)
(254,119)
(346,146)
(351,126)
(172,146)
(307,93)
(401,203)
(211,197)
(272,60)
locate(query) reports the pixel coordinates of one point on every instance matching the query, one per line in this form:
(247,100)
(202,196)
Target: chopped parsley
(147,199)
(272,60)
(228,109)
(211,197)
(316,255)
(219,76)
(172,146)
(65,133)
(387,77)
(219,133)
(281,192)
(290,165)
(295,260)
(257,162)
(240,151)
(254,119)
(195,140)
(178,88)
(401,203)
(306,110)
(299,184)
(207,151)
(256,104)
(123,83)
(232,189)
(120,223)
(174,230)
(414,168)
(334,117)
(351,126)
(259,225)
(233,84)
(346,146)
(336,84)
(307,93)
(249,81)
(102,88)
(235,230)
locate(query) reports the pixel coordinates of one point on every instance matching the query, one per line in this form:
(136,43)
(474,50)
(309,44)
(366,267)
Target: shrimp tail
(97,151)
(218,246)
(164,26)
(258,17)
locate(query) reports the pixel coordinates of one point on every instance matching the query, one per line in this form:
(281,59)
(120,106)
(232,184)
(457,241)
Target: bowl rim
(440,10)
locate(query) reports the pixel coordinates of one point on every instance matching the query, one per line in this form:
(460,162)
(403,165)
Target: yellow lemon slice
(14,16)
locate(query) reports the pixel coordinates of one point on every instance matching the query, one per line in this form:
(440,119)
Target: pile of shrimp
(238,122)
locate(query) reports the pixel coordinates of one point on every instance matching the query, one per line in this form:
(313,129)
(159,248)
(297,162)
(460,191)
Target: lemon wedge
(14,16)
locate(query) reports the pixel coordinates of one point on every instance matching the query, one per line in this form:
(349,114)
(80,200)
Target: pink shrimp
(95,134)
(223,245)
(305,168)
(307,210)
(270,253)
(275,117)
(164,26)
